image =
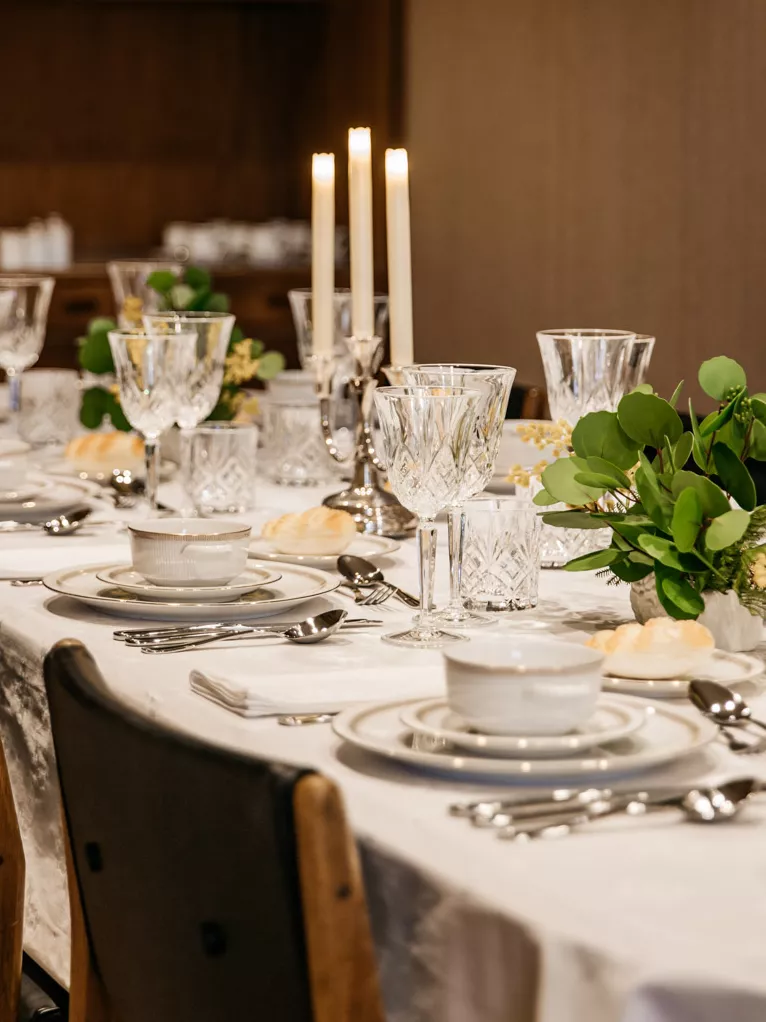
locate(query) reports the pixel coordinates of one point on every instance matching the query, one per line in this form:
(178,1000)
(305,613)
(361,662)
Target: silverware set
(180,638)
(361,574)
(516,819)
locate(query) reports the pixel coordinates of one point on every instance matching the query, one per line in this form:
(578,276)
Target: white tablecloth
(634,920)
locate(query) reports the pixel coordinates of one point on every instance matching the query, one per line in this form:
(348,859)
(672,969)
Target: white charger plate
(126,577)
(615,718)
(371,547)
(296,586)
(669,733)
(727,668)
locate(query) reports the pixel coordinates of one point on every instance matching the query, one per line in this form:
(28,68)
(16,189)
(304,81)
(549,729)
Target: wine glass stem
(427,558)
(455,540)
(14,388)
(152,460)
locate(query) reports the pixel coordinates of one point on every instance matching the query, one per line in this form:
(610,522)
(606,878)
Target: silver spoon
(127,489)
(299,719)
(67,524)
(699,805)
(362,572)
(722,704)
(305,633)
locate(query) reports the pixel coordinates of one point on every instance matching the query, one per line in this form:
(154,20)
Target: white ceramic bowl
(508,686)
(189,551)
(13,464)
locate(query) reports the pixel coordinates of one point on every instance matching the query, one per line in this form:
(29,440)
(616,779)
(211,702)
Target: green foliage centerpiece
(630,471)
(192,291)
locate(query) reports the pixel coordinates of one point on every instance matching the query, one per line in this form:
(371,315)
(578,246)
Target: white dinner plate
(669,733)
(54,499)
(23,492)
(614,719)
(296,586)
(727,668)
(126,577)
(371,547)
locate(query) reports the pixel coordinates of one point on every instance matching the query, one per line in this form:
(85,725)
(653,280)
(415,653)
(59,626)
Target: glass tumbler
(50,406)
(218,466)
(292,450)
(501,554)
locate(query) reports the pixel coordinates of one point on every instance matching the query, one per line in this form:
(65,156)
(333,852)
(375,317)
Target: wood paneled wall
(589,163)
(125,115)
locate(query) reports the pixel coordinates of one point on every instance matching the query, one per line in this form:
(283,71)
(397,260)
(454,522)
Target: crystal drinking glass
(293,448)
(151,371)
(24,303)
(590,370)
(494,385)
(218,466)
(132,295)
(201,387)
(501,554)
(426,434)
(50,406)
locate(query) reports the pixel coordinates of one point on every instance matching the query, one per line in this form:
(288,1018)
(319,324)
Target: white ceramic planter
(734,628)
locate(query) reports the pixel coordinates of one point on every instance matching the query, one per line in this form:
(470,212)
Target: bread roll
(320,531)
(662,648)
(102,452)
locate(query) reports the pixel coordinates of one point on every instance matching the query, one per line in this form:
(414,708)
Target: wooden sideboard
(258,299)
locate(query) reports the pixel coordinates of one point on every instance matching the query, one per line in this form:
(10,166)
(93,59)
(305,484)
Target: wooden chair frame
(12,875)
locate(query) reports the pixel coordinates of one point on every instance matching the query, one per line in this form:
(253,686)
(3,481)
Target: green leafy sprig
(628,472)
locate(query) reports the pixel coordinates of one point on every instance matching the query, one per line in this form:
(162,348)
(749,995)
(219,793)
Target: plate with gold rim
(125,576)
(730,669)
(370,547)
(296,586)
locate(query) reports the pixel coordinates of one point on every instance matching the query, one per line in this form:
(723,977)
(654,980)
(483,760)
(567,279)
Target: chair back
(184,858)
(12,873)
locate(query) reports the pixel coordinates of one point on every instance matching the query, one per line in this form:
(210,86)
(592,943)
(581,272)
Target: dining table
(625,920)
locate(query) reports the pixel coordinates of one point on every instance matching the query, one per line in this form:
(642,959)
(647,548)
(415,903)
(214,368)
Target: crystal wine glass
(202,384)
(151,370)
(426,434)
(494,385)
(132,295)
(24,302)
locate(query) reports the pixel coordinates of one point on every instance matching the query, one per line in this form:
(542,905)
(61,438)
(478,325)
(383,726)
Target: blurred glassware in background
(590,370)
(218,462)
(132,296)
(41,245)
(292,450)
(274,243)
(50,406)
(24,304)
(204,371)
(152,371)
(501,554)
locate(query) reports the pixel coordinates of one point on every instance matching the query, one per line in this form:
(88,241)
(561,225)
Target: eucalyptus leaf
(101,324)
(93,407)
(676,394)
(572,520)
(95,355)
(638,558)
(218,302)
(543,499)
(667,575)
(643,388)
(712,498)
(683,595)
(711,424)
(197,278)
(181,295)
(758,408)
(758,441)
(662,550)
(734,476)
(687,519)
(655,504)
(683,449)
(605,468)
(558,479)
(113,409)
(648,419)
(629,571)
(599,435)
(595,479)
(162,280)
(699,449)
(726,529)
(270,365)
(719,375)
(589,562)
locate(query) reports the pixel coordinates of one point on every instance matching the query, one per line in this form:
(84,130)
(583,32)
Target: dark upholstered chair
(205,886)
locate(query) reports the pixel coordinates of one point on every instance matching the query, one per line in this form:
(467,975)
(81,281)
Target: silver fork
(379,594)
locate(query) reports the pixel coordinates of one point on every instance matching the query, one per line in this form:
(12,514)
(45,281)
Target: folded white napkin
(273,694)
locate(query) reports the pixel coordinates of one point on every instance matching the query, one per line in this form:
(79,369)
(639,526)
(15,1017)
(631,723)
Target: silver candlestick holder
(374,509)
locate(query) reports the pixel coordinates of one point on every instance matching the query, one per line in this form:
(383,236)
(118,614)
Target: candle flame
(396,162)
(359,141)
(323,166)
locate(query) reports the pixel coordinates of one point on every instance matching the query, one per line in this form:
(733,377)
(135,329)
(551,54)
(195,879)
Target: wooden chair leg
(12,873)
(87,997)
(342,968)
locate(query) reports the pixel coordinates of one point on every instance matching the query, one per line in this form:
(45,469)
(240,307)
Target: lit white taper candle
(360,231)
(322,252)
(399,257)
